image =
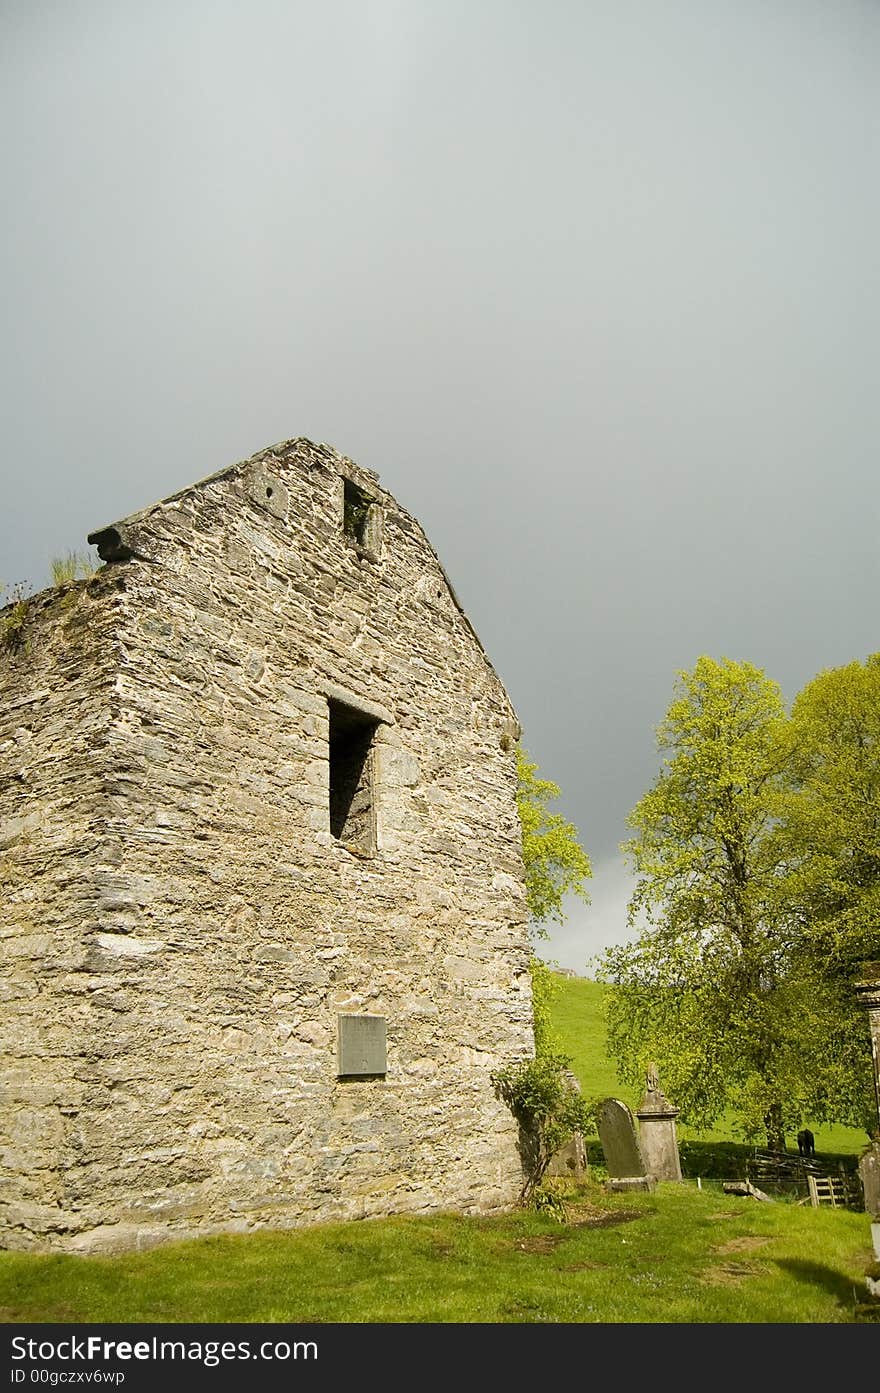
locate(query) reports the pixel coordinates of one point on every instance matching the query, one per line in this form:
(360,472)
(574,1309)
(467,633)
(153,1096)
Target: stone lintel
(357,703)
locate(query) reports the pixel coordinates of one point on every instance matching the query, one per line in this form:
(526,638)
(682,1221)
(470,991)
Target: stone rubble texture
(180,928)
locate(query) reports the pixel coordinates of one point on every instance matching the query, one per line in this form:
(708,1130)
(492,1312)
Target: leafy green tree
(757,854)
(537,1091)
(831,811)
(828,840)
(555,863)
(547,1107)
(545,990)
(704,986)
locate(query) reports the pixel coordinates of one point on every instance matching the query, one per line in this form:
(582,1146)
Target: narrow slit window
(352,794)
(355,512)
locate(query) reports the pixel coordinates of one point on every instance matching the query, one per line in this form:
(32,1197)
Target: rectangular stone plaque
(361,1045)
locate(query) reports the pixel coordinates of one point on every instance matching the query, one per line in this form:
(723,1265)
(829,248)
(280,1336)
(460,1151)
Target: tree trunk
(775,1128)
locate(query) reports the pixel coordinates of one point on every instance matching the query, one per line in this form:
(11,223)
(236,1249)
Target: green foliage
(74,566)
(540,1095)
(555,863)
(547,1200)
(830,813)
(545,990)
(696,989)
(16,599)
(548,1108)
(13,637)
(828,844)
(700,830)
(578,1020)
(714,985)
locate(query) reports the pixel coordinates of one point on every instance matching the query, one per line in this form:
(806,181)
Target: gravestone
(869,1173)
(623,1155)
(868,993)
(571,1159)
(657,1139)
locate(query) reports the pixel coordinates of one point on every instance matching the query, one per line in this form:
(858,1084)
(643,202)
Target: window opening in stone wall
(355,512)
(352,811)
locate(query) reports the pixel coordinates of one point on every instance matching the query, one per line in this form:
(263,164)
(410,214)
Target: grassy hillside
(579,1019)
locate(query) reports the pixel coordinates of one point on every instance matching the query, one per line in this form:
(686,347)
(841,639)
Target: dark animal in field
(806,1142)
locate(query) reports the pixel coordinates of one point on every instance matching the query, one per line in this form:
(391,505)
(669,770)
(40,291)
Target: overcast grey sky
(593,285)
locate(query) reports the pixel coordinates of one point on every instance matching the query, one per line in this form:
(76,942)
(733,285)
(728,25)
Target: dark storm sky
(592,286)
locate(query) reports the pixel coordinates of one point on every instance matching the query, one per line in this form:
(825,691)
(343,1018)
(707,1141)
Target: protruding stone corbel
(112,544)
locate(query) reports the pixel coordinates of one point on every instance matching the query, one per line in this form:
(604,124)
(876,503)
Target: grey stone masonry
(257,774)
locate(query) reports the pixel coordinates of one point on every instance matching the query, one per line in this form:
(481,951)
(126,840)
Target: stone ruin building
(262,914)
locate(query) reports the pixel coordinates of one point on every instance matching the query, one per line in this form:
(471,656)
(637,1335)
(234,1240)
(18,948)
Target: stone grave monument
(623,1155)
(868,993)
(657,1139)
(571,1159)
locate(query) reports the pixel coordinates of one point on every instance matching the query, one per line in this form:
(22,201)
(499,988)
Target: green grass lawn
(678,1255)
(579,1019)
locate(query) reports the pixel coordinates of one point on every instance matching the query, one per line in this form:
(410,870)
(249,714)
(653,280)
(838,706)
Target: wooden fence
(839,1191)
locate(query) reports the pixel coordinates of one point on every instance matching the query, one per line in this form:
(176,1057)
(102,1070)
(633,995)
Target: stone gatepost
(657,1130)
(868,991)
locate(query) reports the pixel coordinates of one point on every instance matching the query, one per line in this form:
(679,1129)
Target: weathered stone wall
(232,927)
(56,710)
